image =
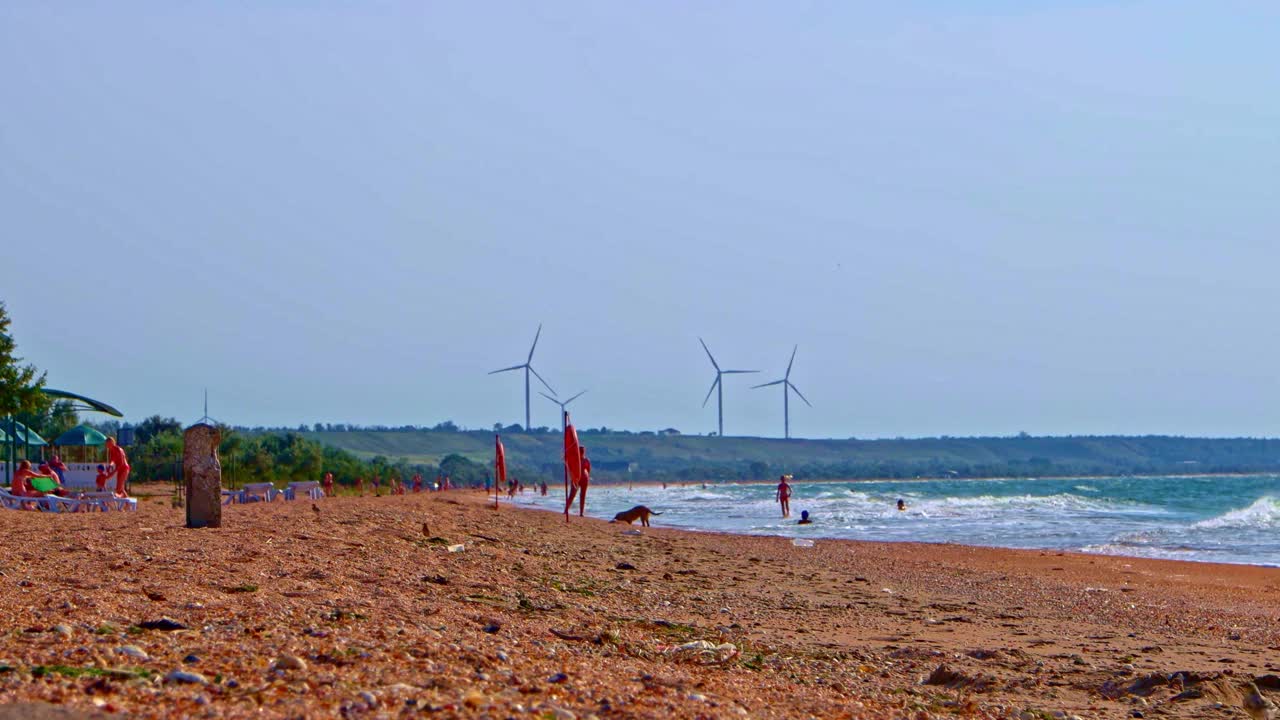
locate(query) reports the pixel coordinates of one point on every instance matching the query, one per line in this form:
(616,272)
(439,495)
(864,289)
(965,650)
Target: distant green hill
(618,456)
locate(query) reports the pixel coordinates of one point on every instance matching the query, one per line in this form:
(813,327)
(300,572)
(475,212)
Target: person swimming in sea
(804,518)
(902,505)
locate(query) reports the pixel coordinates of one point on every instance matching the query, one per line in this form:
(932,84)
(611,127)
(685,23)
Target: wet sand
(357,607)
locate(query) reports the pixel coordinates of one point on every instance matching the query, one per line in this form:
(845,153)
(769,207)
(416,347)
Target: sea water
(1212,519)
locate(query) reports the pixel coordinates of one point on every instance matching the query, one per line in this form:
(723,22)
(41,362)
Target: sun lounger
(13,502)
(310,487)
(10,501)
(108,501)
(231,497)
(256,492)
(54,503)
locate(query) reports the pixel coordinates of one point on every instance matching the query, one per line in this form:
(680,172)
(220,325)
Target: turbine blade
(793,359)
(713,360)
(575,397)
(713,388)
(535,344)
(775,382)
(513,367)
(552,399)
(738,372)
(544,382)
(802,397)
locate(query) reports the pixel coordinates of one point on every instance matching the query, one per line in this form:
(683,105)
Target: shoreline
(712,483)
(359,607)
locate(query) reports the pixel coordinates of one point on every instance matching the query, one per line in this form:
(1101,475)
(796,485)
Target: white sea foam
(1263,513)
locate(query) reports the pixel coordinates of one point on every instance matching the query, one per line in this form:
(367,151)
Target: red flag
(499,468)
(572,452)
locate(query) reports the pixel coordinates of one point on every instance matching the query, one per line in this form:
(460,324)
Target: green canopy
(27,436)
(81,435)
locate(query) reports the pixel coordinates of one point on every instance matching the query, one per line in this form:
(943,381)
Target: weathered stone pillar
(202,474)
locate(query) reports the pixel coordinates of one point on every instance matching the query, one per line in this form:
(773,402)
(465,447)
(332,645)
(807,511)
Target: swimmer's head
(804,514)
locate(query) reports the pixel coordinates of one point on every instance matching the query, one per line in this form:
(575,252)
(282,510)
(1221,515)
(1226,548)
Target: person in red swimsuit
(784,496)
(116,455)
(360,486)
(328,484)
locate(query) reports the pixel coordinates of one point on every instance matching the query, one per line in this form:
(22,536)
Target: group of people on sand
(395,486)
(55,471)
(514,485)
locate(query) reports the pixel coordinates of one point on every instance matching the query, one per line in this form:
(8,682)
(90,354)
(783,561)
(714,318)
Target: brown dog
(638,512)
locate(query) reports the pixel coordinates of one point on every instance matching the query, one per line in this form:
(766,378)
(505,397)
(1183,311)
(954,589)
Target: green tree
(19,384)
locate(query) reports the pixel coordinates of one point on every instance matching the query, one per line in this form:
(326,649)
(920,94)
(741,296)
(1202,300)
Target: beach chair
(54,503)
(9,501)
(231,497)
(14,502)
(310,487)
(257,492)
(108,501)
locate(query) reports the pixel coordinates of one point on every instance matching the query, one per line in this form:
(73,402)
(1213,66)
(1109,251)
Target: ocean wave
(1263,513)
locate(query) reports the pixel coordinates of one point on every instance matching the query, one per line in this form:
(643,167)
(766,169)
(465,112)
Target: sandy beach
(366,607)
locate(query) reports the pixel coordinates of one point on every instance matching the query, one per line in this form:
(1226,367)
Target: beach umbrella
(81,436)
(499,468)
(572,462)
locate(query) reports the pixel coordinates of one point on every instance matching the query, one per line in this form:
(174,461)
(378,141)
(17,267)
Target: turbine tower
(562,405)
(718,386)
(787,387)
(527,366)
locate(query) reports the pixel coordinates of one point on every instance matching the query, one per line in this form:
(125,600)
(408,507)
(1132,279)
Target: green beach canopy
(26,436)
(81,435)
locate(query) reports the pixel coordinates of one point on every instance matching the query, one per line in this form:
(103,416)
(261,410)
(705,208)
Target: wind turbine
(527,366)
(718,386)
(562,405)
(787,387)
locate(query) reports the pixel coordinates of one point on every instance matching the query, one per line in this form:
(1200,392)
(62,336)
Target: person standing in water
(784,496)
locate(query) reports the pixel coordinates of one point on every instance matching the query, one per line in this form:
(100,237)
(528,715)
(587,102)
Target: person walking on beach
(328,484)
(360,486)
(116,456)
(784,496)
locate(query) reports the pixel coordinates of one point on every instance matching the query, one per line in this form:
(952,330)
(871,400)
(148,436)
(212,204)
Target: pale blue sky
(974,218)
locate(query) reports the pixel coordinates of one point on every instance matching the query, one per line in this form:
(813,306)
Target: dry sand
(356,607)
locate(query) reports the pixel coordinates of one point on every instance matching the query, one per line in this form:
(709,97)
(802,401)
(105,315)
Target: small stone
(164,623)
(369,698)
(291,662)
(560,713)
(474,699)
(191,659)
(62,629)
(492,627)
(625,566)
(181,676)
(558,678)
(134,652)
(503,656)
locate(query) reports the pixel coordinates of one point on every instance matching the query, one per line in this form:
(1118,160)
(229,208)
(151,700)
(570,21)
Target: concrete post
(202,474)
